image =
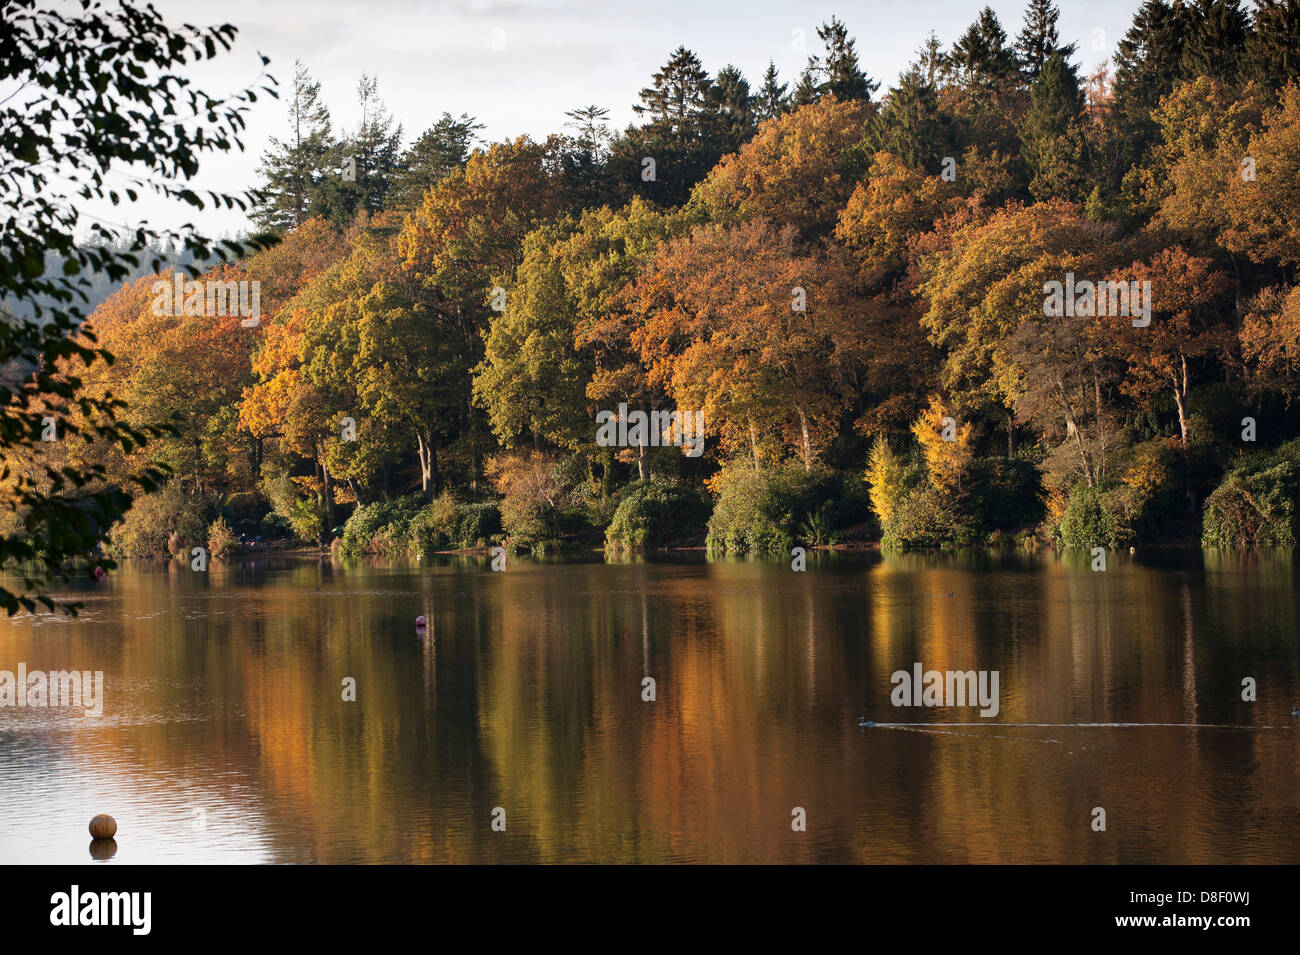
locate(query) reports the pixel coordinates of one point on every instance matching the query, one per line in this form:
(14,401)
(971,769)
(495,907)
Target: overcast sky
(439,55)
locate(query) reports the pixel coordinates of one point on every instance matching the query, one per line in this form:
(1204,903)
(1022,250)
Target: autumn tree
(741,324)
(790,172)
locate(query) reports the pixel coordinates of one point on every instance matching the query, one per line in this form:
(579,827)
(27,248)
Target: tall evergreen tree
(371,153)
(584,157)
(1273,46)
(981,56)
(1038,39)
(1216,33)
(295,171)
(771,100)
(732,109)
(441,150)
(1148,58)
(932,62)
(676,137)
(677,99)
(1051,136)
(910,124)
(838,72)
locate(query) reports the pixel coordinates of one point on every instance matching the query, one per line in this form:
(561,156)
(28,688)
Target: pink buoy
(421,623)
(99,573)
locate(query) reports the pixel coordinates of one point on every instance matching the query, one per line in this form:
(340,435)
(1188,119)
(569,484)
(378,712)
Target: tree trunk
(642,461)
(807,442)
(424,452)
(1011,436)
(753,444)
(1180,398)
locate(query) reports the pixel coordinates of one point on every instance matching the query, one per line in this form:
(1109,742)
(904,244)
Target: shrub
(924,518)
(997,496)
(221,539)
(161,524)
(654,515)
(1255,506)
(381,527)
(304,515)
(1087,523)
(534,490)
(769,510)
(445,524)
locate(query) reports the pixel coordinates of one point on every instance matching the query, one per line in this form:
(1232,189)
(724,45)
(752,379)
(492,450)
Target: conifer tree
(441,150)
(981,56)
(771,100)
(370,155)
(1273,46)
(838,72)
(1216,33)
(1038,39)
(295,170)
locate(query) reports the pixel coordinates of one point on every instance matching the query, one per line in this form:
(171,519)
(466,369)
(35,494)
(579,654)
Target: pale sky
(438,55)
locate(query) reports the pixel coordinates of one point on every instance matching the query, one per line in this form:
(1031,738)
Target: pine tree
(931,62)
(771,99)
(1052,141)
(675,104)
(732,109)
(837,72)
(372,153)
(441,149)
(910,124)
(1039,39)
(1216,33)
(296,171)
(677,137)
(981,56)
(584,157)
(1147,59)
(1273,47)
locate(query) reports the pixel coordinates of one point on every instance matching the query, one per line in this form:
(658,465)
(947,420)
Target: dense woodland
(847,279)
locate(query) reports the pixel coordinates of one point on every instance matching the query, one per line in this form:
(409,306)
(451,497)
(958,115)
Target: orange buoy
(103,826)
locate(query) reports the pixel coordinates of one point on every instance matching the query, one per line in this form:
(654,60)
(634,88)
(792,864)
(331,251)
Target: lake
(225,736)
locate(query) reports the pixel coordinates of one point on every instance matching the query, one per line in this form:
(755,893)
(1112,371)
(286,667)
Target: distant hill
(98,286)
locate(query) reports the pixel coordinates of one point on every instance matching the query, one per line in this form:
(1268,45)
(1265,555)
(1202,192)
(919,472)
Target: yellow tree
(791,172)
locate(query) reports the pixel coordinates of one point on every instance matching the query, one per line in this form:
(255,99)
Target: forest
(849,283)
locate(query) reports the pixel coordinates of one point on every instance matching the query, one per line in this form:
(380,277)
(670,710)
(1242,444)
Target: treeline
(852,288)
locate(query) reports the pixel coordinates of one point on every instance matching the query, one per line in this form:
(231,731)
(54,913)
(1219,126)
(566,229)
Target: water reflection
(226,735)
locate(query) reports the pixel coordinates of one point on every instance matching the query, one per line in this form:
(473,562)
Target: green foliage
(996,495)
(923,519)
(656,515)
(1087,522)
(383,527)
(769,511)
(992,500)
(1258,504)
(446,524)
(159,525)
(305,516)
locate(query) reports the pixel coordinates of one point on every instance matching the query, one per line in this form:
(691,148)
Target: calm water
(225,738)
